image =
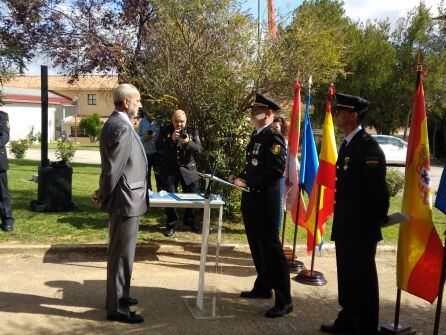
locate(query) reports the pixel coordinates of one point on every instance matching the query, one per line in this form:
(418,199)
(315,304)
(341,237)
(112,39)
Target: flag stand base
(389,329)
(296,265)
(313,278)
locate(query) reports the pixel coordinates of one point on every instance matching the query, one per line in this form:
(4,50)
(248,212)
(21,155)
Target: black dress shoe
(132,318)
(333,329)
(255,294)
(129,302)
(168,232)
(7,227)
(278,311)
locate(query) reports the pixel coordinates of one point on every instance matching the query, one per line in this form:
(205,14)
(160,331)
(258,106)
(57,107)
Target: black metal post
(316,225)
(44,101)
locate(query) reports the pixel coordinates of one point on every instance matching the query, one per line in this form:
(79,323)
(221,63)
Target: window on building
(92,99)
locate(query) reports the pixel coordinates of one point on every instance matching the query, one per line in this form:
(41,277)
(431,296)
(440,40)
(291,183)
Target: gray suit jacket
(123,182)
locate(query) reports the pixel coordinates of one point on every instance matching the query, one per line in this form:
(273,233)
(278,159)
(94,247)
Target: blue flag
(440,202)
(309,162)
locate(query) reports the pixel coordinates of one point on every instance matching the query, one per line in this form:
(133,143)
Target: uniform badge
(346,159)
(275,149)
(254,162)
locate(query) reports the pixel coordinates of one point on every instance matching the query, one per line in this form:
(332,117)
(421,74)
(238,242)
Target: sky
(356,9)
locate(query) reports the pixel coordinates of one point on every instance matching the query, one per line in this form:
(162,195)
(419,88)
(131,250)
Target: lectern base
(389,329)
(212,306)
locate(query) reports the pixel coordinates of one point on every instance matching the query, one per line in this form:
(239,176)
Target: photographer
(148,130)
(177,145)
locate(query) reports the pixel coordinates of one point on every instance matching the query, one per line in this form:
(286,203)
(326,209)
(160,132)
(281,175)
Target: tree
(92,125)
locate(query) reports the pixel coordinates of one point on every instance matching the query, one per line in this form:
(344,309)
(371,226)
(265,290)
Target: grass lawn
(77,146)
(88,224)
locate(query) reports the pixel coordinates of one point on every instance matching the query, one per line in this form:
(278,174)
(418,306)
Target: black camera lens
(183,134)
(149,132)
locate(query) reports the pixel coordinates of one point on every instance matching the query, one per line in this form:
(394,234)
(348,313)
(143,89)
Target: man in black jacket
(265,164)
(177,145)
(5,198)
(361,204)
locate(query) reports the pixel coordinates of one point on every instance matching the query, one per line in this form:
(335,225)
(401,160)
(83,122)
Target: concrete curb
(100,250)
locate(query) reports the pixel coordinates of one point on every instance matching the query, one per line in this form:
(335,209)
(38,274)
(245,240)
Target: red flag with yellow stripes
(420,250)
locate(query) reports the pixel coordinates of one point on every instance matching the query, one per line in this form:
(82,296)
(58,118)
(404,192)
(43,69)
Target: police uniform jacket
(361,197)
(4,139)
(265,158)
(176,156)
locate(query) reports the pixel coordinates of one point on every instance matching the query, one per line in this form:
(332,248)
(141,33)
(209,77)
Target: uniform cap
(354,103)
(263,101)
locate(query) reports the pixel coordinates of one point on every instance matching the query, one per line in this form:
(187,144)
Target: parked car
(395,149)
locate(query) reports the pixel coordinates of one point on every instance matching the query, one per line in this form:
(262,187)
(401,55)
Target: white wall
(23,116)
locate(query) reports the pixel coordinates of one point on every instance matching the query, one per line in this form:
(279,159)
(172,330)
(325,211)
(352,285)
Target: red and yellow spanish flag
(420,249)
(325,180)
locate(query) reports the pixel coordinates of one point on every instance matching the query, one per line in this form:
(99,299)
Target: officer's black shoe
(169,231)
(129,302)
(132,318)
(7,227)
(256,294)
(278,311)
(333,329)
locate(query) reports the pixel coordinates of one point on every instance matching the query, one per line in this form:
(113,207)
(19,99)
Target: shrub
(31,137)
(18,147)
(92,126)
(395,181)
(65,151)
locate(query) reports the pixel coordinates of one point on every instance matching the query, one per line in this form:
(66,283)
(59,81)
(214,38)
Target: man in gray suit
(123,194)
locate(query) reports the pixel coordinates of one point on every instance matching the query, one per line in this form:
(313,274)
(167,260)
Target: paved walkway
(51,293)
(80,156)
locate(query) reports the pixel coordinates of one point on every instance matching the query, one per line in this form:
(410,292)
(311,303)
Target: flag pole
(396,327)
(440,291)
(311,277)
(295,264)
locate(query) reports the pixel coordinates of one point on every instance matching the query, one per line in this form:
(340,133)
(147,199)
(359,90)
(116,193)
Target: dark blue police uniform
(178,166)
(5,198)
(265,159)
(361,204)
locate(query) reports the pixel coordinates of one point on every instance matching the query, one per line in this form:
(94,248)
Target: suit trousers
(120,256)
(357,285)
(5,200)
(260,219)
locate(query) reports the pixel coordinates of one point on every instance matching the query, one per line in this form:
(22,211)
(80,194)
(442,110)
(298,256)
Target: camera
(183,134)
(149,132)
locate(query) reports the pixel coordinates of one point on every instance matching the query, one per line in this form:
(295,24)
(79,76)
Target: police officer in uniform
(361,205)
(265,158)
(177,145)
(5,198)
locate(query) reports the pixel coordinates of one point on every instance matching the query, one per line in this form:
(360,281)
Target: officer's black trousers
(357,285)
(5,200)
(170,184)
(260,218)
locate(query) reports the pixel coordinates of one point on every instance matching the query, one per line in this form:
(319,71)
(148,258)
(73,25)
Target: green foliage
(31,137)
(92,126)
(18,147)
(395,181)
(65,151)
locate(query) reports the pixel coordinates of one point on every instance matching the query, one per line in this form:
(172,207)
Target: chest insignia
(254,162)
